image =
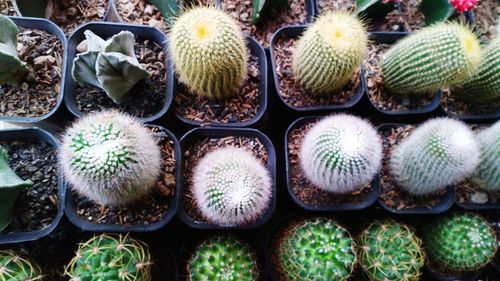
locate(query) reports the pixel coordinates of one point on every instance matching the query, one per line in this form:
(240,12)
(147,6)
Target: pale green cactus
(12,69)
(487,174)
(16,268)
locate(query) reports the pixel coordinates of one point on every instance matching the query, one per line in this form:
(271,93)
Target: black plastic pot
(190,137)
(106,30)
(475,117)
(104,18)
(478,206)
(27,134)
(50,27)
(372,198)
(440,276)
(85,225)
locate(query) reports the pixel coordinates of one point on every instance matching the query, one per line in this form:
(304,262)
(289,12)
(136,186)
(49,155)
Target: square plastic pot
(494,116)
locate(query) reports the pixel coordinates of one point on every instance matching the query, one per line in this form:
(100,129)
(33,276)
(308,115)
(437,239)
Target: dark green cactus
(12,69)
(15,268)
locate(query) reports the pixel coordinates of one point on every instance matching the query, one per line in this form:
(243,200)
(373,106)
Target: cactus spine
(12,69)
(13,267)
(487,174)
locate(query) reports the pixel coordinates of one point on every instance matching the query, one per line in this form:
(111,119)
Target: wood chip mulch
(456,107)
(413,19)
(487,16)
(6,8)
(69,14)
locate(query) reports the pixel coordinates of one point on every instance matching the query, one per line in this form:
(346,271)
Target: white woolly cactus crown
(487,174)
(341,153)
(231,186)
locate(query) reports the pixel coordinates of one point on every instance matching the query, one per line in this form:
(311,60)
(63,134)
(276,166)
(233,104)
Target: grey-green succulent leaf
(12,69)
(94,42)
(84,68)
(122,42)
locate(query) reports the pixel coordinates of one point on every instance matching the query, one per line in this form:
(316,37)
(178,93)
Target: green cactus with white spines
(341,153)
(209,52)
(14,267)
(440,152)
(460,242)
(435,57)
(223,259)
(487,174)
(390,251)
(316,249)
(12,69)
(329,52)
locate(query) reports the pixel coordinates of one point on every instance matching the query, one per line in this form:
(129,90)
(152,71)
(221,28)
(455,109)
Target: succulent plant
(223,259)
(209,52)
(329,52)
(231,186)
(341,153)
(438,56)
(110,158)
(111,257)
(390,251)
(110,65)
(487,174)
(438,153)
(12,69)
(14,267)
(460,242)
(316,249)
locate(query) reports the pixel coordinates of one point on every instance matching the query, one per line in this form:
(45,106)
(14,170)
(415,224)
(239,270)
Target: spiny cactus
(341,153)
(111,257)
(329,52)
(316,249)
(110,65)
(487,174)
(390,251)
(460,242)
(438,153)
(223,259)
(13,267)
(231,186)
(12,69)
(435,57)
(209,52)
(110,157)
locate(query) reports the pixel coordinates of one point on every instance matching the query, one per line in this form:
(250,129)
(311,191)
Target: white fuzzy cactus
(440,152)
(231,187)
(341,153)
(487,174)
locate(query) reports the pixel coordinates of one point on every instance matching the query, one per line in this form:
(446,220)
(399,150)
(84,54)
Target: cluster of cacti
(12,69)
(316,249)
(231,186)
(329,52)
(390,251)
(209,52)
(110,65)
(341,153)
(487,173)
(110,157)
(13,268)
(438,153)
(223,259)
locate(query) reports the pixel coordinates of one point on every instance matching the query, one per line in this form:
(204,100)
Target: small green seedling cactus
(435,57)
(223,259)
(231,186)
(110,158)
(14,267)
(341,153)
(329,52)
(316,249)
(111,257)
(487,174)
(438,153)
(390,251)
(110,65)
(12,69)
(460,242)
(209,52)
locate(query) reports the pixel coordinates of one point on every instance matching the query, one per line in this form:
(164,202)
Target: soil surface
(69,14)
(487,16)
(456,107)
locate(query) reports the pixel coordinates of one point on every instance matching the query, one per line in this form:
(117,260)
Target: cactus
(12,69)
(223,259)
(390,251)
(110,157)
(231,187)
(14,267)
(487,174)
(329,52)
(209,52)
(460,242)
(316,249)
(440,152)
(463,5)
(110,65)
(435,57)
(341,153)
(111,257)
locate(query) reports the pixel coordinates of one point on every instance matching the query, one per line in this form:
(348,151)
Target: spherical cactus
(438,153)
(329,52)
(209,52)
(110,158)
(111,257)
(13,267)
(487,174)
(435,57)
(461,242)
(231,186)
(316,249)
(463,5)
(390,251)
(223,259)
(341,153)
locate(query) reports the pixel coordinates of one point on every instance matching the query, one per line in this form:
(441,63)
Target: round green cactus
(390,251)
(487,174)
(223,259)
(111,257)
(13,268)
(209,52)
(329,52)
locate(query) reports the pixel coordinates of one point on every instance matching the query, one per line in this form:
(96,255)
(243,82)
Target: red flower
(463,5)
